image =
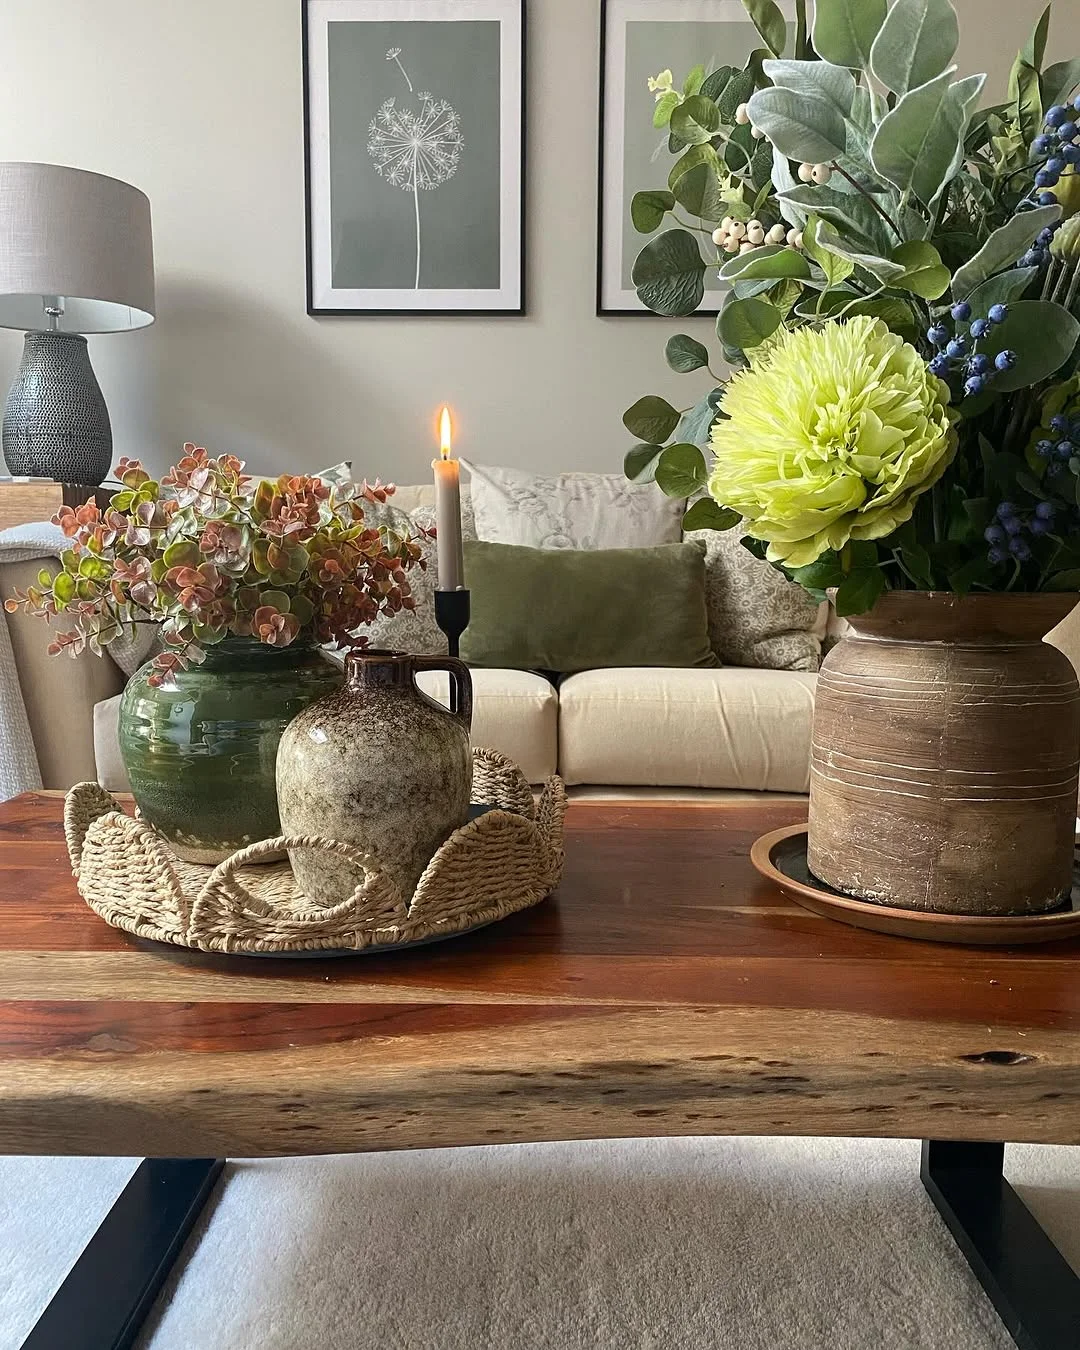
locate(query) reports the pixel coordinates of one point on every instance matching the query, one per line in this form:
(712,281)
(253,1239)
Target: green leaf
(747,323)
(844,30)
(859,590)
(647,210)
(835,267)
(664,108)
(63,588)
(697,423)
(1028,101)
(737,90)
(681,471)
(976,571)
(1042,334)
(1002,249)
(770,23)
(670,275)
(803,127)
(695,182)
(895,312)
(696,120)
(886,271)
(1034,49)
(920,144)
(803,49)
(915,44)
(184,553)
(716,83)
(639,464)
(709,515)
(818,79)
(651,419)
(917,561)
(820,575)
(925,274)
(1065,581)
(694,80)
(1058,81)
(684,353)
(275,600)
(774,261)
(855,218)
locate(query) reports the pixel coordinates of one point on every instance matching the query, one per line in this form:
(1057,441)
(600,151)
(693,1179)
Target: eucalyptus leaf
(919,145)
(684,353)
(1003,289)
(651,419)
(696,120)
(803,127)
(774,261)
(696,424)
(769,21)
(669,275)
(897,313)
(756,286)
(1043,336)
(647,210)
(925,274)
(716,82)
(1058,81)
(665,106)
(706,514)
(639,464)
(698,190)
(737,90)
(747,323)
(820,79)
(916,43)
(681,471)
(844,30)
(1003,248)
(694,80)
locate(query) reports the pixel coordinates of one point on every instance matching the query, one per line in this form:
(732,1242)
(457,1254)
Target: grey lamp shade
(79,236)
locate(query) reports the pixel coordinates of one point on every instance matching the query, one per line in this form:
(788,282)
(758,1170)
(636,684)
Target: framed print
(414,122)
(638,39)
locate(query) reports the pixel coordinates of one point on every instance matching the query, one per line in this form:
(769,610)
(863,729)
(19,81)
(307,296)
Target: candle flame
(444,432)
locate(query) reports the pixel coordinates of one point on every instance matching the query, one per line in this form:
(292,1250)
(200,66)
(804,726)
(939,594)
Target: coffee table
(665,990)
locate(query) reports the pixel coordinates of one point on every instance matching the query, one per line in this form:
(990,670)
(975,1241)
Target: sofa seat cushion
(726,728)
(515,712)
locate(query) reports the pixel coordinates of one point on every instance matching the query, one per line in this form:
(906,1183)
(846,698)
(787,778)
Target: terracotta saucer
(780,857)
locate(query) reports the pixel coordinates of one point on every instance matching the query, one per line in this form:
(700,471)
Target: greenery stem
(870,198)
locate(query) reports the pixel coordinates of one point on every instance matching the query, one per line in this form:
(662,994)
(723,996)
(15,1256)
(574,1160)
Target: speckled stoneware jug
(379,765)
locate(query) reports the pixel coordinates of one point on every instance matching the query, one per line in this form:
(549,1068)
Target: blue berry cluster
(1062,445)
(957,355)
(1006,535)
(1058,147)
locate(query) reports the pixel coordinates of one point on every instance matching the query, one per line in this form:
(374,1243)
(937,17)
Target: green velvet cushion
(566,609)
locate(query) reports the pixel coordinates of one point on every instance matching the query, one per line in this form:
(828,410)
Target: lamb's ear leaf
(916,43)
(844,30)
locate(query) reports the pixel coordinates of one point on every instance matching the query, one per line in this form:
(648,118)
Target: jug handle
(461,699)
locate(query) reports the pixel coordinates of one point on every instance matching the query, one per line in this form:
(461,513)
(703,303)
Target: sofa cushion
(571,510)
(515,712)
(725,728)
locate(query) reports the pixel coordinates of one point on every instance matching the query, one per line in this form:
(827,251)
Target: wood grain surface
(664,990)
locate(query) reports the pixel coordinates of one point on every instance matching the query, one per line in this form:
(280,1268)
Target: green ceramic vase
(200,749)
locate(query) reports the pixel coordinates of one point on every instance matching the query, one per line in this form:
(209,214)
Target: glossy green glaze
(200,750)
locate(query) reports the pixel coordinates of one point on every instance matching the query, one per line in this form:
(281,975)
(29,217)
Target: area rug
(681,1244)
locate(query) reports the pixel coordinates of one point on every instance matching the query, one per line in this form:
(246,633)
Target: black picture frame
(515,8)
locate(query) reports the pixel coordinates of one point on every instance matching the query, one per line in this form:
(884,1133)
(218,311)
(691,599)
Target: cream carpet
(683,1244)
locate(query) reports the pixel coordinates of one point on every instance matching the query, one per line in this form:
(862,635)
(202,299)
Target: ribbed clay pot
(943,770)
(378,765)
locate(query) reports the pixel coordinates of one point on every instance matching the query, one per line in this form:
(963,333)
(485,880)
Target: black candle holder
(452,610)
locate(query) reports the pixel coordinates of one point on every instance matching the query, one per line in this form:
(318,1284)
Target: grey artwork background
(651,47)
(372,222)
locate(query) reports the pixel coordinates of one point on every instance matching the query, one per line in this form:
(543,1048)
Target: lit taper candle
(451,562)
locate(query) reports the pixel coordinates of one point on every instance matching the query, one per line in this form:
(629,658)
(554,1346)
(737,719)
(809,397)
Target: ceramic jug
(378,765)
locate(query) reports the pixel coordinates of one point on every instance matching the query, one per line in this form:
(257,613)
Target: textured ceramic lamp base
(945,753)
(56,424)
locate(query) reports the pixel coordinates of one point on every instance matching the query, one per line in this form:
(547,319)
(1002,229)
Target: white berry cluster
(733,236)
(742,116)
(815,173)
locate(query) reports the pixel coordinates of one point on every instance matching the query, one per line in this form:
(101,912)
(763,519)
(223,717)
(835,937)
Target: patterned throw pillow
(415,631)
(571,510)
(756,616)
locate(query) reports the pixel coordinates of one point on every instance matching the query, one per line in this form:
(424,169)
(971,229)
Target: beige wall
(198,103)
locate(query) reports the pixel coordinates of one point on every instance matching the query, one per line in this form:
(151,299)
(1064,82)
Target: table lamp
(76,256)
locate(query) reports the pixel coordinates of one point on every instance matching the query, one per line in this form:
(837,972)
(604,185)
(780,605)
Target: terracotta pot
(379,765)
(943,769)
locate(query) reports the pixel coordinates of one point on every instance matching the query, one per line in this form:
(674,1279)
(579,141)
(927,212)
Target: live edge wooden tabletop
(663,990)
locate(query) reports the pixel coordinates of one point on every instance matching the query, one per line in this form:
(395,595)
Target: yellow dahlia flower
(831,435)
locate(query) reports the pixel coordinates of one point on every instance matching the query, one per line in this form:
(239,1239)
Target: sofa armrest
(59,693)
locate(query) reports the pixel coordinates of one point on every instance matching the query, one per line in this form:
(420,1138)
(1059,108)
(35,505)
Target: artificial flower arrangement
(904,269)
(208,553)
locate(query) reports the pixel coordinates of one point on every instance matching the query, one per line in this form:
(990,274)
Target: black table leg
(109,1290)
(1033,1288)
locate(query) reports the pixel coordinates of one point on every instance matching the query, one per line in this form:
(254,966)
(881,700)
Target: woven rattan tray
(503,861)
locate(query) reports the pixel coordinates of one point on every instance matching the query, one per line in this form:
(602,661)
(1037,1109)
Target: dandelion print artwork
(416,150)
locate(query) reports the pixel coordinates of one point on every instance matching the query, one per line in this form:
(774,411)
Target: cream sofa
(728,729)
